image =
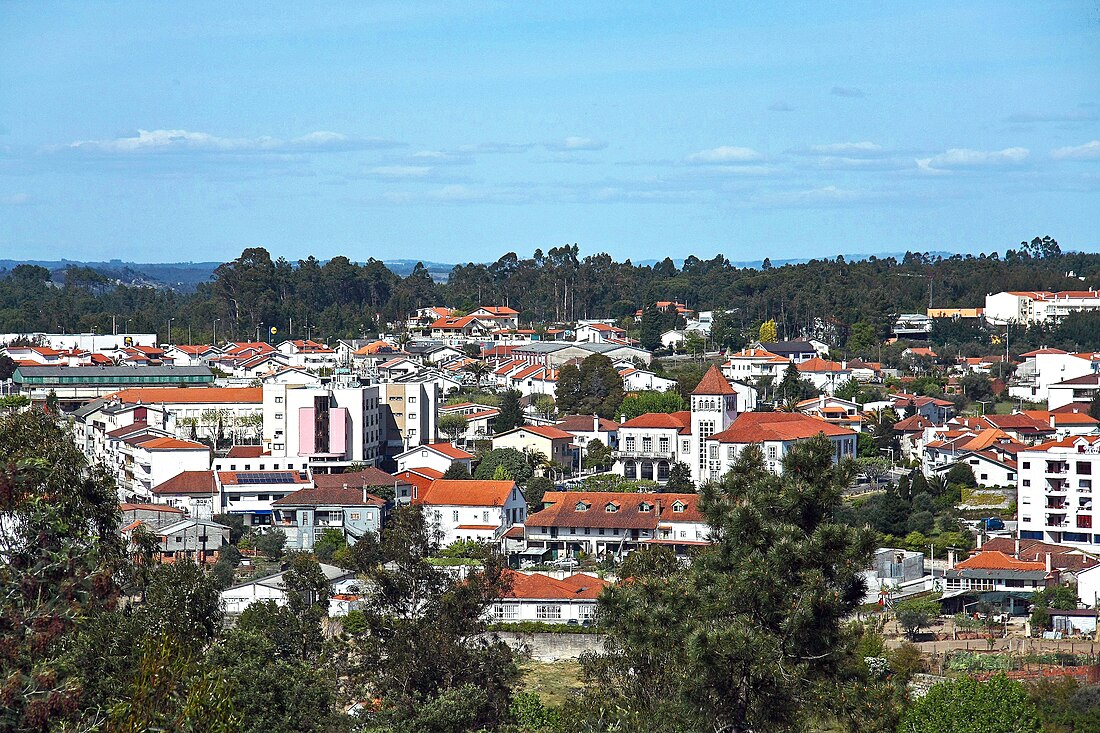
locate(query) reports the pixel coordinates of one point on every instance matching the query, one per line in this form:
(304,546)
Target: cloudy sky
(458,131)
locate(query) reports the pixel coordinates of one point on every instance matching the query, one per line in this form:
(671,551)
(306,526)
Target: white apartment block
(328,426)
(1055,492)
(1033,307)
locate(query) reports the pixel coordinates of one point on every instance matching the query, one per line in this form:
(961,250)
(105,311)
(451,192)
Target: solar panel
(265,478)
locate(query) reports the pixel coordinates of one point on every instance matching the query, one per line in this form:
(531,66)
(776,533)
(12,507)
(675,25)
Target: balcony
(668,455)
(1057,468)
(1057,505)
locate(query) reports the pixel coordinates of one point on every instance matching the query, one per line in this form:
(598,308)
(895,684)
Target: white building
(642,380)
(1044,368)
(236,599)
(328,425)
(1033,307)
(436,456)
(479,511)
(1055,492)
(601,523)
(709,436)
(538,597)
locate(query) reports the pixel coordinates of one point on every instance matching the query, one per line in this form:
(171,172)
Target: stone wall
(546,647)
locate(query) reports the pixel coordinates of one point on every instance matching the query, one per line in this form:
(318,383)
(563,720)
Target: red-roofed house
(777,433)
(438,456)
(600,523)
(552,442)
(597,333)
(474,510)
(306,514)
(538,597)
(193,491)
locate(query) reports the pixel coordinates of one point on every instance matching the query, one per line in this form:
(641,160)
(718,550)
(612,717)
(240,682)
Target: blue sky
(458,131)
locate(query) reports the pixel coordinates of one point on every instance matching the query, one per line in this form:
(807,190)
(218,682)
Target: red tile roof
(456,454)
(239,395)
(188,482)
(995,560)
(447,492)
(713,383)
(676,420)
(369,476)
(245,451)
(330,496)
(163,508)
(537,586)
(171,444)
(548,431)
(563,510)
(756,427)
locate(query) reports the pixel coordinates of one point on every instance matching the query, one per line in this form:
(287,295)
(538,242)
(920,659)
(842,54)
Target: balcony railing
(665,454)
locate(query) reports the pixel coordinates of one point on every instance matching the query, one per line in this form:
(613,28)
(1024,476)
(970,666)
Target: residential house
(236,599)
(607,523)
(552,442)
(538,597)
(251,493)
(474,510)
(305,515)
(597,332)
(796,351)
(642,380)
(191,538)
(438,456)
(824,374)
(195,492)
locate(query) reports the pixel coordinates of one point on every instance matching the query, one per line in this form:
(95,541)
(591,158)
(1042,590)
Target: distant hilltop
(182,276)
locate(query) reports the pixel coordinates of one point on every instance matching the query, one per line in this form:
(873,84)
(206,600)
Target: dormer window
(645,507)
(678,506)
(581,506)
(611,507)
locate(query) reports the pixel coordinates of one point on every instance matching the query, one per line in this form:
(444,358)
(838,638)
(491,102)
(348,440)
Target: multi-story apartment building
(1055,492)
(1034,307)
(329,426)
(410,414)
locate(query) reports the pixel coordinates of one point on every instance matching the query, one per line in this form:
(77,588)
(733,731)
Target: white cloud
(167,141)
(15,199)
(496,147)
(1088,151)
(574,143)
(966,158)
(725,154)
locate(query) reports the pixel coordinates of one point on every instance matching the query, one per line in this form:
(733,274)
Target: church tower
(713,409)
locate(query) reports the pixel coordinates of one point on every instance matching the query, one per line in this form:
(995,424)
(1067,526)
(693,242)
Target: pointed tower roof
(713,382)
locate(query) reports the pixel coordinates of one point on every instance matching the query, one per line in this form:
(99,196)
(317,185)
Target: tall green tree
(420,653)
(62,553)
(595,388)
(746,637)
(511,414)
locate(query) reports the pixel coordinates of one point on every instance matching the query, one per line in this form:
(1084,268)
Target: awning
(534,552)
(250,511)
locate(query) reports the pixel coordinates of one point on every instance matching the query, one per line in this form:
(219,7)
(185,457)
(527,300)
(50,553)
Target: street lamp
(170,330)
(214,338)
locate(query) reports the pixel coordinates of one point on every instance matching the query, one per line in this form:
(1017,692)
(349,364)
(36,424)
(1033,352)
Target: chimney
(595,423)
(980,539)
(1052,420)
(1016,554)
(821,402)
(950,558)
(1048,562)
(364,494)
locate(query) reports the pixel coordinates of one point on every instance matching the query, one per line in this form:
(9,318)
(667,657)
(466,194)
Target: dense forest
(340,298)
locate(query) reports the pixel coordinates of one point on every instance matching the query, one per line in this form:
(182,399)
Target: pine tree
(511,414)
(746,638)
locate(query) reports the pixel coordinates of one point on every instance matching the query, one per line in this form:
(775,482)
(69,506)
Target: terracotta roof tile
(447,492)
(188,482)
(713,383)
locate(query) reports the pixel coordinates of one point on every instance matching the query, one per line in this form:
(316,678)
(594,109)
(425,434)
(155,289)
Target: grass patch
(551,681)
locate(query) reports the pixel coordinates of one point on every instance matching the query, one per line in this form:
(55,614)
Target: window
(773,452)
(454,516)
(630,443)
(1027,482)
(504,611)
(731,452)
(647,444)
(581,507)
(1084,468)
(678,506)
(355,516)
(412,415)
(645,507)
(412,400)
(664,445)
(485,517)
(686,446)
(278,400)
(1027,464)
(278,416)
(984,477)
(548,612)
(611,507)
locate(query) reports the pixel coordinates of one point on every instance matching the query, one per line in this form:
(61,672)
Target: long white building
(1030,307)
